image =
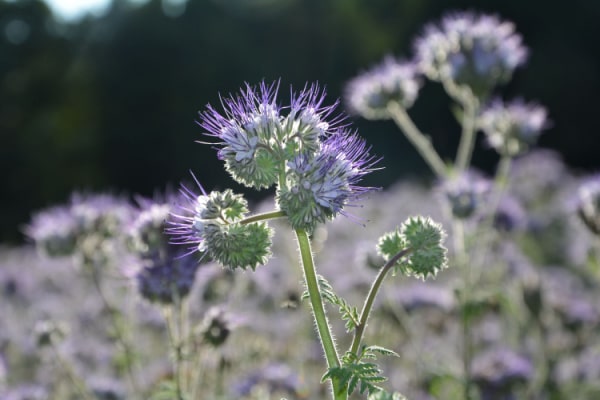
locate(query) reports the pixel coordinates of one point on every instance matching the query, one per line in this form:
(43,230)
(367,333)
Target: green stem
(176,346)
(118,332)
(72,376)
(316,302)
(364,314)
(470,104)
(421,142)
(263,216)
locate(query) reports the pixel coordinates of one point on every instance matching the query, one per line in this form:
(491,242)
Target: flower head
(392,81)
(472,50)
(257,134)
(512,128)
(213,224)
(319,186)
(54,231)
(167,279)
(465,193)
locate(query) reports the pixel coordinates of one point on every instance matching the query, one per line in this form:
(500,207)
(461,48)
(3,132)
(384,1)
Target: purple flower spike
(319,187)
(392,81)
(476,51)
(511,128)
(245,130)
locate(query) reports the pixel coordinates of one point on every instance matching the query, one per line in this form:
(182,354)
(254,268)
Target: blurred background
(103,95)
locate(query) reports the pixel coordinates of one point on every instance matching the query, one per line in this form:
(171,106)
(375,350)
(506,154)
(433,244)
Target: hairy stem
(364,314)
(263,217)
(323,328)
(421,142)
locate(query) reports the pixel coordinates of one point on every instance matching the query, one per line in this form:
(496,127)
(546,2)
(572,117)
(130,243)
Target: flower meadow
(473,286)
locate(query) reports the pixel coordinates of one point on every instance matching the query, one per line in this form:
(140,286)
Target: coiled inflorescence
(473,51)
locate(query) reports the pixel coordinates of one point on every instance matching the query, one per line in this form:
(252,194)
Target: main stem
(316,302)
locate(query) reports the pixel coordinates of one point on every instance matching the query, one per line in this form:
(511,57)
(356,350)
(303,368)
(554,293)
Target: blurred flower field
(534,312)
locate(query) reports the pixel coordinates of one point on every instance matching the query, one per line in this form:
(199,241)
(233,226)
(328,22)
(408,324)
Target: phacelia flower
(167,279)
(257,136)
(392,81)
(101,214)
(213,224)
(512,128)
(588,204)
(497,371)
(319,186)
(421,239)
(146,233)
(471,50)
(55,231)
(465,193)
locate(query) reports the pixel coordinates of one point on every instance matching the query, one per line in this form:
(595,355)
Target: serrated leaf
(381,350)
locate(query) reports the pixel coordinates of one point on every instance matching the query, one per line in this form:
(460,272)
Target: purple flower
(183,226)
(513,127)
(497,371)
(465,193)
(319,186)
(257,135)
(168,279)
(54,231)
(392,81)
(473,50)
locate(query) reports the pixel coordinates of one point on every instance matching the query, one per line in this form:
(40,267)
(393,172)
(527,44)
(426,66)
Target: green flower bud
(238,246)
(422,239)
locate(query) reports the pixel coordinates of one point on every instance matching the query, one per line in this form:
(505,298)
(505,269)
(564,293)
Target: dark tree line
(110,103)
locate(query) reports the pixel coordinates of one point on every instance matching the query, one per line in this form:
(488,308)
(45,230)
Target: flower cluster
(465,193)
(471,50)
(512,128)
(87,225)
(421,241)
(213,223)
(302,148)
(391,81)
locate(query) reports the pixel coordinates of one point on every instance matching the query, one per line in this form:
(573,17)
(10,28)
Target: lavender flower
(54,230)
(214,225)
(318,187)
(391,81)
(167,280)
(471,50)
(257,137)
(465,193)
(512,128)
(145,233)
(588,203)
(497,371)
(101,214)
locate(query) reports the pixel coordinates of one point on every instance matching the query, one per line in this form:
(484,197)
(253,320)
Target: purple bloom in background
(54,230)
(511,128)
(587,203)
(392,81)
(318,187)
(474,50)
(101,213)
(465,193)
(146,232)
(167,280)
(497,371)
